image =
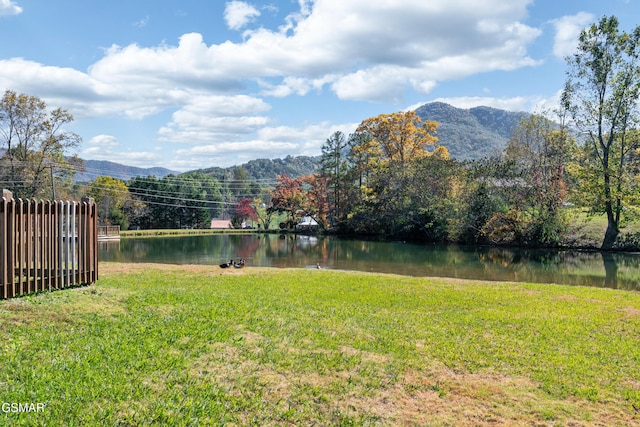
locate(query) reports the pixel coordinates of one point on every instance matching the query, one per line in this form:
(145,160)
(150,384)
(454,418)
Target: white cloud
(364,50)
(231,153)
(272,8)
(107,147)
(216,118)
(377,84)
(289,86)
(270,142)
(310,135)
(103,142)
(358,42)
(567,31)
(192,128)
(7,7)
(238,14)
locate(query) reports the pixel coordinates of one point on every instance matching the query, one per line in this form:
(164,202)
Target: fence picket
(4,247)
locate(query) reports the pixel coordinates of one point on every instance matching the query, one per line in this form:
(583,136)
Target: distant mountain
(260,169)
(467,133)
(471,133)
(269,169)
(96,168)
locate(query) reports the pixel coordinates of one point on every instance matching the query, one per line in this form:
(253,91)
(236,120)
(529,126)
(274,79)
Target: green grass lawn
(197,345)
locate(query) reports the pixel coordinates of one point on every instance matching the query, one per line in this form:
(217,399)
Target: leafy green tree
(490,190)
(411,201)
(429,195)
(192,210)
(35,162)
(111,196)
(541,150)
(146,191)
(135,212)
(602,92)
(184,201)
(478,206)
(239,184)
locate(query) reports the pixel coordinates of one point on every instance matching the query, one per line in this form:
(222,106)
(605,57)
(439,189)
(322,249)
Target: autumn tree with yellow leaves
(401,137)
(397,172)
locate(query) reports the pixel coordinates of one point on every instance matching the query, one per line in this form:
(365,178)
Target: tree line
(384,180)
(390,178)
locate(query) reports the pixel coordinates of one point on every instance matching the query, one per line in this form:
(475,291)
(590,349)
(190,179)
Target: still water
(469,262)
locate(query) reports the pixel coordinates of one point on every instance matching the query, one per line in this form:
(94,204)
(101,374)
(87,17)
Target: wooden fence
(108,232)
(46,245)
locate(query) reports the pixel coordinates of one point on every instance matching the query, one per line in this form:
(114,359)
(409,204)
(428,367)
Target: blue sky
(192,84)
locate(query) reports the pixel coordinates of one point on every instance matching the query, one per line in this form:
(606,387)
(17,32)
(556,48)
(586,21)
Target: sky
(193,84)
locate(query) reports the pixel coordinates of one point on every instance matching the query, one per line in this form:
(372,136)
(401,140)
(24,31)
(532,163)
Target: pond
(614,270)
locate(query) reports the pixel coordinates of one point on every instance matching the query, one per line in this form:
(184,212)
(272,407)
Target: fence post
(7,263)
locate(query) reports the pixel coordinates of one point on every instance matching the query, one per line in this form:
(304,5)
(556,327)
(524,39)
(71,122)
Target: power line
(168,197)
(151,192)
(126,177)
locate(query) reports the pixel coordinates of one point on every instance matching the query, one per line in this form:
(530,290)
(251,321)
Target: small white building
(307,222)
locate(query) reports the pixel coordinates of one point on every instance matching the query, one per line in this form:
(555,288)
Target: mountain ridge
(467,134)
(471,133)
(269,169)
(96,168)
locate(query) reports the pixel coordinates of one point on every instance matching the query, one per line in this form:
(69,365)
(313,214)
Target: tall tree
(602,93)
(402,137)
(540,151)
(35,144)
(364,156)
(334,167)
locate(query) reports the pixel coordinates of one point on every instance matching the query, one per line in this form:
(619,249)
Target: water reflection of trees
(586,268)
(245,245)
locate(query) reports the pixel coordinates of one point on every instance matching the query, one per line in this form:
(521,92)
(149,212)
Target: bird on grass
(239,264)
(226,264)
